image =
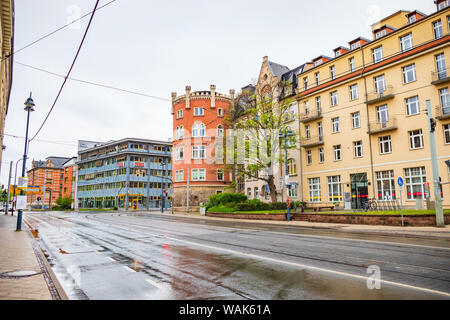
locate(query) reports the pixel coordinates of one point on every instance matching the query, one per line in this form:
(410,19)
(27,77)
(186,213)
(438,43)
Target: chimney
(174,96)
(213,95)
(188,95)
(232,96)
(265,58)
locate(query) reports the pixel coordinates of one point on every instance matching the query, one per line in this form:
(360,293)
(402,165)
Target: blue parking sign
(400,181)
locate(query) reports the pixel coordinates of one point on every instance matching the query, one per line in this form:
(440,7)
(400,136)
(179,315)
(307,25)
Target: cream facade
(363,113)
(6,61)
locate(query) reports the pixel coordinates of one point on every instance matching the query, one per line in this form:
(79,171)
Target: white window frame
(308,131)
(383,142)
(199,111)
(351,62)
(305,83)
(198,174)
(356,120)
(334,98)
(385,185)
(333,72)
(415,139)
(335,125)
(337,152)
(383,114)
(334,189)
(446,130)
(409,70)
(220,130)
(353,92)
(412,104)
(308,157)
(355,45)
(415,177)
(437,27)
(179,114)
(406,42)
(314,189)
(380,83)
(321,155)
(219,112)
(292,167)
(220,172)
(317,77)
(319,104)
(377,54)
(198,152)
(358,149)
(179,153)
(179,175)
(412,19)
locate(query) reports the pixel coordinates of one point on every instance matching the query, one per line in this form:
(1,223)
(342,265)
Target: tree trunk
(272,189)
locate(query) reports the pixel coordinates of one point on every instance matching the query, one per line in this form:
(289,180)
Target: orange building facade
(199,120)
(69,179)
(49,173)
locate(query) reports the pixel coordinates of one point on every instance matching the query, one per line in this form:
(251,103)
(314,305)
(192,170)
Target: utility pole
(437,190)
(43,192)
(162,186)
(187,190)
(9,184)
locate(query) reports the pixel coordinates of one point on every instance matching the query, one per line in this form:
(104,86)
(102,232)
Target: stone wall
(197,195)
(388,220)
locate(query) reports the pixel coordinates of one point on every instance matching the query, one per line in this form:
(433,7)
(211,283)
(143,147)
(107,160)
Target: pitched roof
(277,69)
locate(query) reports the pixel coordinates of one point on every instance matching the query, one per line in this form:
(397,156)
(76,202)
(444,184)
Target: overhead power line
(93,83)
(70,70)
(55,31)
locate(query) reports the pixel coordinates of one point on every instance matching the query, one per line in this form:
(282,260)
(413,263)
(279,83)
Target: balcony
(310,116)
(384,126)
(380,95)
(443,111)
(311,142)
(441,76)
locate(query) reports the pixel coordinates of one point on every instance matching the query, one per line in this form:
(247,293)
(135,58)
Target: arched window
(198,130)
(292,167)
(220,130)
(181,132)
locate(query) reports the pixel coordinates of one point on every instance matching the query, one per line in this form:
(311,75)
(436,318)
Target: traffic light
(138,173)
(166,192)
(432,124)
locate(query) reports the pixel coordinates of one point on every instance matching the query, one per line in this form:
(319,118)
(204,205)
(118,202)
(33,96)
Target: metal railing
(312,114)
(311,141)
(440,75)
(385,125)
(380,94)
(443,110)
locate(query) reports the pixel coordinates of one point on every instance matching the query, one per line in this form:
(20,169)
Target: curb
(54,286)
(395,233)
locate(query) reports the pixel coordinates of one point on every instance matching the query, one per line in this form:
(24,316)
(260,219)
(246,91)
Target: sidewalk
(426,232)
(17,253)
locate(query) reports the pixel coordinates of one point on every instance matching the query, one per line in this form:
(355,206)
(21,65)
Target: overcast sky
(157,47)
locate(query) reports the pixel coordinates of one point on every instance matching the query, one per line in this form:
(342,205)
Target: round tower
(199,127)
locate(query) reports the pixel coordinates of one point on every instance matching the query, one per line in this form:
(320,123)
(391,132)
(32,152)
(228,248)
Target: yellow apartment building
(6,47)
(362,113)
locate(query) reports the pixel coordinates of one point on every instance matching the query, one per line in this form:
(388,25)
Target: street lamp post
(29,104)
(15,180)
(285,135)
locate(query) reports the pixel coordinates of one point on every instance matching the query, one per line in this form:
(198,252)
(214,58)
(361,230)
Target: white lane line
(359,240)
(109,258)
(397,284)
(153,283)
(128,269)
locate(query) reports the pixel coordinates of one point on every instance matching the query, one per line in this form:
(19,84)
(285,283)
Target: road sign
(400,181)
(23,182)
(21,202)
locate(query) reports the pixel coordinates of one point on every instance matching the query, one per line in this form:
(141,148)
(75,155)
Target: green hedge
(225,199)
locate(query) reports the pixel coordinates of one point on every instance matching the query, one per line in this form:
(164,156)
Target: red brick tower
(199,124)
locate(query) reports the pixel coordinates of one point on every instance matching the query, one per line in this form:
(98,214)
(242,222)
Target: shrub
(225,198)
(115,208)
(64,203)
(222,208)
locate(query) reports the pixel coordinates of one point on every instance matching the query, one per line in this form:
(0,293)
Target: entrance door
(359,190)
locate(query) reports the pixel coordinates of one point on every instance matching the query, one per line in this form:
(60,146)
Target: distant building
(6,61)
(48,173)
(124,173)
(198,121)
(69,179)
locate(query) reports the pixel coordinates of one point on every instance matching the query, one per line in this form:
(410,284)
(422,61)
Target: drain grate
(18,274)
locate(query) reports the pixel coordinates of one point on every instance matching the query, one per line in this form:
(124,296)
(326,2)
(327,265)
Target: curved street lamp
(29,107)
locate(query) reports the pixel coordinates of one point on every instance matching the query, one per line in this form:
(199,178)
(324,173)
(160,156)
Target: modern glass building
(128,173)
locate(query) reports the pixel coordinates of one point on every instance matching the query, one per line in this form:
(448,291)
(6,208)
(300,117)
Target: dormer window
(412,19)
(317,63)
(380,34)
(443,4)
(338,53)
(355,45)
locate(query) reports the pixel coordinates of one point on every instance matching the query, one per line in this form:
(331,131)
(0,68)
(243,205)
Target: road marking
(359,240)
(129,269)
(397,284)
(153,283)
(111,259)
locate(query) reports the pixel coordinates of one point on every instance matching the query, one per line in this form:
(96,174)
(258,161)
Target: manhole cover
(18,274)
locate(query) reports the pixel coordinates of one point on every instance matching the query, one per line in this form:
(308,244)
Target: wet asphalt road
(124,256)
